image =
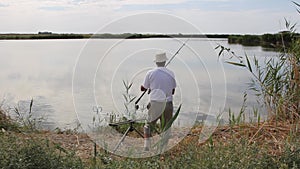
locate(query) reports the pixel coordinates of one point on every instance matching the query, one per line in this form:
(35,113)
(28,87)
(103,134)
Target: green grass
(6,122)
(236,153)
(21,150)
(28,153)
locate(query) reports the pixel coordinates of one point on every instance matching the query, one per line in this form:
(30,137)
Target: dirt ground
(265,133)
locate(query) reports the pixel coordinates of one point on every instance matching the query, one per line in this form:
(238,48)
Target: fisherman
(161,84)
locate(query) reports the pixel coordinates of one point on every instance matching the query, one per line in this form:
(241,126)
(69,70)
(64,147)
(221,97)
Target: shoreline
(266,40)
(16,36)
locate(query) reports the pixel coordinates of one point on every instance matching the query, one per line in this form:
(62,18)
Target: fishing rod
(137,101)
(176,53)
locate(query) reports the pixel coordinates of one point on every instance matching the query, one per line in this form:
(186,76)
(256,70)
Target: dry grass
(273,134)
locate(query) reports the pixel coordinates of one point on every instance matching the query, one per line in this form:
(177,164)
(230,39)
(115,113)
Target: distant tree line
(128,36)
(42,35)
(265,40)
(138,36)
(50,35)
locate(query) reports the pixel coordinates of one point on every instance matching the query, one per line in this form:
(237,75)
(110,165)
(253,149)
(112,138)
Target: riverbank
(270,144)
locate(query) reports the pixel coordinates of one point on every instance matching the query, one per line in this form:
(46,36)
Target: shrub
(28,153)
(6,123)
(277,80)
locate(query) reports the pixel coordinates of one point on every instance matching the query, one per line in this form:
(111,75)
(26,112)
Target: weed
(27,153)
(26,119)
(6,123)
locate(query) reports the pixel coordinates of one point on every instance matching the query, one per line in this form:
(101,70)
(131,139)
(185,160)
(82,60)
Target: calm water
(68,79)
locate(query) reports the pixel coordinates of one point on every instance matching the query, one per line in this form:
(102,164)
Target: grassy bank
(263,145)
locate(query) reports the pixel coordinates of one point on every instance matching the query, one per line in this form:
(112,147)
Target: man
(161,83)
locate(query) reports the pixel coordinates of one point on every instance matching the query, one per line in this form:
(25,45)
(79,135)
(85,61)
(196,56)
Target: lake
(73,81)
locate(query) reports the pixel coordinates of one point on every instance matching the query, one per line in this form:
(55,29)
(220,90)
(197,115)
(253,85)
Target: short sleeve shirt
(161,81)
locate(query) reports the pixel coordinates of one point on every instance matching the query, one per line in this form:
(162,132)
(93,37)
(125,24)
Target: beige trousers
(164,112)
(160,110)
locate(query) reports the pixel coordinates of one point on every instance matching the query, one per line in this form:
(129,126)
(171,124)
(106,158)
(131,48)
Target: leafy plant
(277,82)
(241,116)
(26,118)
(6,123)
(165,131)
(129,98)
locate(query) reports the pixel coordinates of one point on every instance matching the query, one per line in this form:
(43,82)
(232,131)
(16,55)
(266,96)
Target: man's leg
(154,113)
(167,115)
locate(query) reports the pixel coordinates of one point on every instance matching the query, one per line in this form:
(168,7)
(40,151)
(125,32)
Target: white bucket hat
(161,57)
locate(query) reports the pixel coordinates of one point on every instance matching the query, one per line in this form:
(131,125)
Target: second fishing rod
(176,53)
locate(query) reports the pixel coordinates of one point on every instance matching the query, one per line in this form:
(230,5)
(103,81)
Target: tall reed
(277,80)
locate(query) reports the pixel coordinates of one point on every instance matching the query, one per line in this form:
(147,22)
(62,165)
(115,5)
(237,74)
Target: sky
(145,16)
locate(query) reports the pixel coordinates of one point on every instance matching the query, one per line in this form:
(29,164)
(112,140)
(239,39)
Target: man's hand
(173,91)
(148,106)
(143,88)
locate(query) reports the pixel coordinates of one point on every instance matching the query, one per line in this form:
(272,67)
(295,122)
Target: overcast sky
(90,16)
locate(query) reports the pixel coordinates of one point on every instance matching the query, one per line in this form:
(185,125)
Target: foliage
(6,123)
(27,153)
(19,150)
(290,157)
(42,36)
(268,40)
(129,98)
(235,153)
(278,81)
(26,118)
(23,121)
